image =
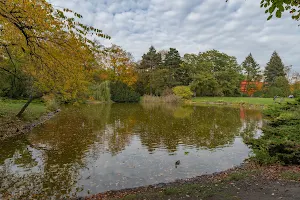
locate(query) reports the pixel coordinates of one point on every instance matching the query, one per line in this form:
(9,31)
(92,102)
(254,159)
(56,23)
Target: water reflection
(94,148)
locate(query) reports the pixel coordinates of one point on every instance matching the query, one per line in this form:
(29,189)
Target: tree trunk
(25,106)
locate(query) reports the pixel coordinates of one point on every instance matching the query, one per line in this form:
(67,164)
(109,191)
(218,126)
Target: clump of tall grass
(171,98)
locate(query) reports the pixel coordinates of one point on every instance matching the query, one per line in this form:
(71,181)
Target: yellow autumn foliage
(57,48)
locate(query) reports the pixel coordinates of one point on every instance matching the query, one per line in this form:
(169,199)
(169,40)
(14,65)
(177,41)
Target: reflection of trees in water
(252,123)
(55,152)
(205,127)
(63,143)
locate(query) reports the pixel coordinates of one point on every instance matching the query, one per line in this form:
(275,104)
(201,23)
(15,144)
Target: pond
(95,148)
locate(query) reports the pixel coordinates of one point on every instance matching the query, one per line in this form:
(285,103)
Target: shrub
(183,92)
(280,141)
(122,93)
(296,93)
(259,93)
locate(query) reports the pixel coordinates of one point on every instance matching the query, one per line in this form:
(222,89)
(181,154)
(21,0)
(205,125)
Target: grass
(9,108)
(290,175)
(177,192)
(237,176)
(238,100)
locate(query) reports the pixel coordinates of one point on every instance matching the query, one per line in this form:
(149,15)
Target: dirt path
(249,183)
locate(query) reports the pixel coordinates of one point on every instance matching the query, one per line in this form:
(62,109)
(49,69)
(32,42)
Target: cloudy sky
(236,28)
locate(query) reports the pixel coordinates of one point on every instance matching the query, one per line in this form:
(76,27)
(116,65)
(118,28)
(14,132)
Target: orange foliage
(249,88)
(119,66)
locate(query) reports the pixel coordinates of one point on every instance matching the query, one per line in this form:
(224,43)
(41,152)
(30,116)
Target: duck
(177,162)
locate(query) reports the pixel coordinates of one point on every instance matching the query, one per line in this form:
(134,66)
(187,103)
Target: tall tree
(150,61)
(173,59)
(172,62)
(214,73)
(251,68)
(274,68)
(252,72)
(119,65)
(57,47)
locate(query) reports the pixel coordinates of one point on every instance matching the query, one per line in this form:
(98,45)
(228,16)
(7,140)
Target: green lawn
(238,100)
(9,108)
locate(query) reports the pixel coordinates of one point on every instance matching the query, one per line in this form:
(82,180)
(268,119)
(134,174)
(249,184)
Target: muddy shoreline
(15,127)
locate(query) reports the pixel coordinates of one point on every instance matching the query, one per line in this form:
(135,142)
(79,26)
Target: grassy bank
(238,100)
(10,125)
(9,108)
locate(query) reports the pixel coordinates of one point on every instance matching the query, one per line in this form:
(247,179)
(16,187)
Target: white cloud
(236,27)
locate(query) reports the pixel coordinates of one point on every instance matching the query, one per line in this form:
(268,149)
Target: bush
(183,92)
(259,93)
(274,91)
(280,141)
(122,93)
(296,93)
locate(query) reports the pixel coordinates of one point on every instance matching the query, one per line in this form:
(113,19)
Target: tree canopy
(278,7)
(251,68)
(56,49)
(274,68)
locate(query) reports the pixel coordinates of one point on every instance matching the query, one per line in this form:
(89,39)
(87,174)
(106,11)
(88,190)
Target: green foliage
(9,108)
(296,93)
(278,7)
(280,141)
(183,92)
(13,83)
(101,92)
(291,175)
(213,73)
(121,93)
(274,91)
(259,93)
(251,68)
(176,74)
(150,61)
(274,68)
(280,87)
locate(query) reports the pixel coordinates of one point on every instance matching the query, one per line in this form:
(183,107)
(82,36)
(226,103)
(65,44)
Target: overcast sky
(236,28)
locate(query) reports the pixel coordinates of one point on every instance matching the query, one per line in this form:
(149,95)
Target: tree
(251,68)
(119,65)
(274,68)
(252,71)
(150,61)
(172,62)
(214,73)
(57,48)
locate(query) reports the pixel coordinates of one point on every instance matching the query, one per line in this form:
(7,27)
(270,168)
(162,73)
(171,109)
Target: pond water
(95,148)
